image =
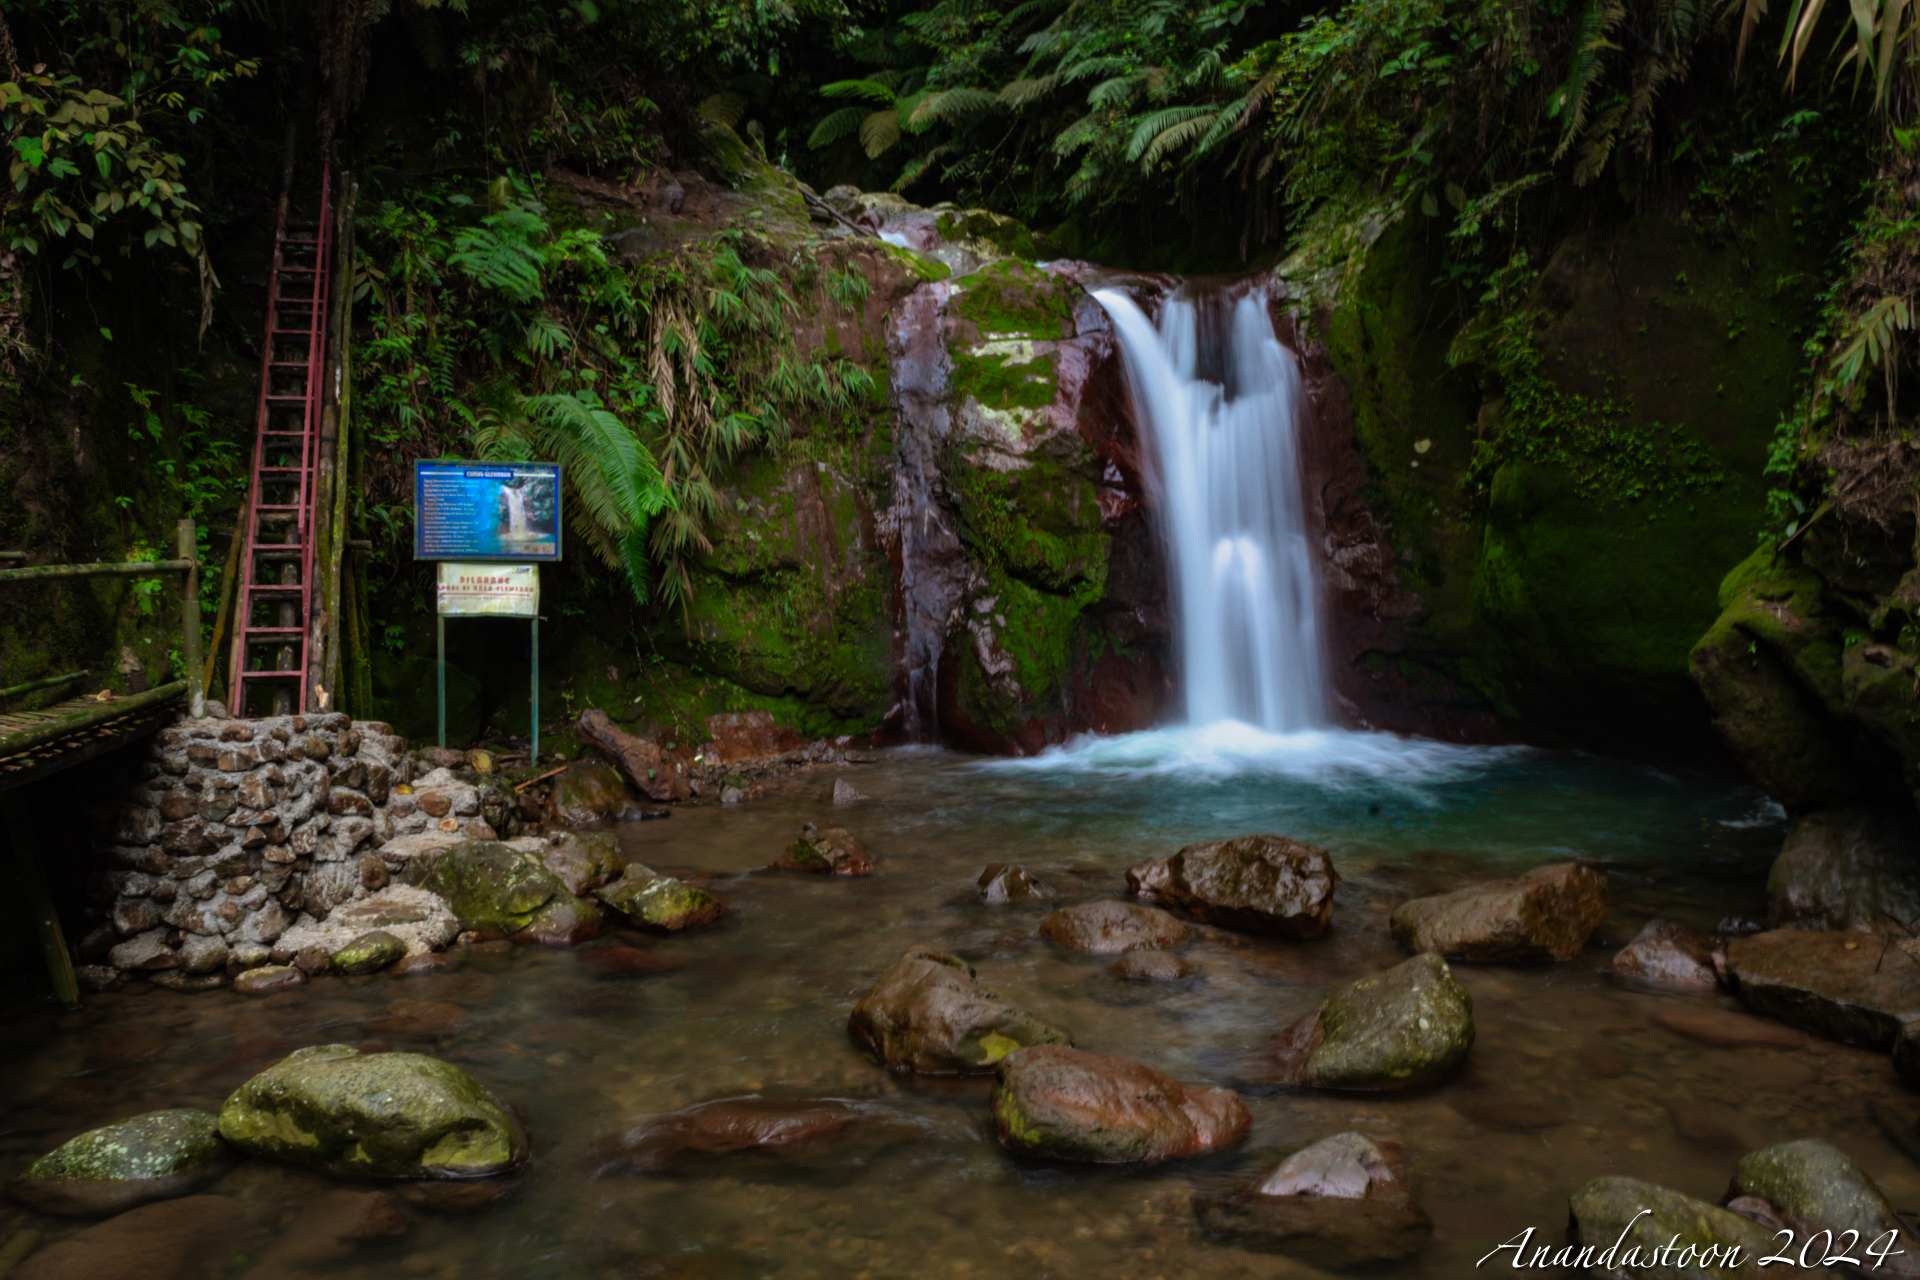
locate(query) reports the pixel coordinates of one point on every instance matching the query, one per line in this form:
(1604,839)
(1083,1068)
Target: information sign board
(488,590)
(486,511)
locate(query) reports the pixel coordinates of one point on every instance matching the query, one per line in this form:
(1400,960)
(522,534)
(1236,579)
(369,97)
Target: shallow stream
(1570,1077)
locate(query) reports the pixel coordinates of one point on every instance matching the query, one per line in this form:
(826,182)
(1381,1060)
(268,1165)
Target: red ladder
(272,614)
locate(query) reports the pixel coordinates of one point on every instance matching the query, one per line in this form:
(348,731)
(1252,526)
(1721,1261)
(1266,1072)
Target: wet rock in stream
(1857,988)
(834,851)
(1153,966)
(171,1240)
(581,860)
(1849,867)
(1061,1103)
(331,1228)
(660,903)
(1258,884)
(1345,1201)
(156,1156)
(1546,914)
(788,1128)
(1000,883)
(928,1016)
(1408,1026)
(1811,1187)
(1667,954)
(1105,927)
(1635,1220)
(368,953)
(377,1115)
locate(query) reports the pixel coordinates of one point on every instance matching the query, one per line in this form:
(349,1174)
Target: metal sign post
(484,523)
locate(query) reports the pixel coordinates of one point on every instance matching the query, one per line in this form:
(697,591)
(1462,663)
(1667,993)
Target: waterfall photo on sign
(473,511)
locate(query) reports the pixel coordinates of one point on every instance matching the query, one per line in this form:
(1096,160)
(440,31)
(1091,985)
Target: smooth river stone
(152,1157)
(1343,1202)
(781,1127)
(171,1240)
(835,851)
(1667,954)
(1813,1187)
(1106,927)
(1409,1025)
(1062,1103)
(1607,1215)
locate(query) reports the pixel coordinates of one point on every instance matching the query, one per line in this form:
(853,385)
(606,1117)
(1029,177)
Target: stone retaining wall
(230,831)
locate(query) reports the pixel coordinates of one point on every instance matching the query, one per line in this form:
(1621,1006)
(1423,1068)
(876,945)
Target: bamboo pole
(343,444)
(48,683)
(134,569)
(226,592)
(16,741)
(190,622)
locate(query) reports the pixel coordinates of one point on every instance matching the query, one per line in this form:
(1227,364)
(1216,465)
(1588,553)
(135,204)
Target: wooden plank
(95,713)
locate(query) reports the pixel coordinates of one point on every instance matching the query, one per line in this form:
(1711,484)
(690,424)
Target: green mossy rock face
(1546,914)
(377,1115)
(1813,1187)
(1627,1223)
(927,1016)
(660,903)
(1061,1103)
(368,953)
(1408,1026)
(590,791)
(490,886)
(152,1157)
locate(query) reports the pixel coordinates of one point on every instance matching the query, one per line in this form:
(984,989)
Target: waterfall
(518,524)
(1219,399)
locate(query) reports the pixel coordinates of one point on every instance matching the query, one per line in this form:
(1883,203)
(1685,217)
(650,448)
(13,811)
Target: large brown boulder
(586,791)
(646,768)
(1410,1025)
(1546,914)
(1668,954)
(1067,1104)
(1106,927)
(1258,884)
(1345,1201)
(927,1016)
(1857,988)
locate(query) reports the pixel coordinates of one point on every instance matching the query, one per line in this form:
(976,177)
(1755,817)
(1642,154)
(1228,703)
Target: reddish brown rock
(1105,927)
(835,851)
(928,1016)
(1152,966)
(1061,1103)
(1667,954)
(421,1019)
(1857,988)
(748,735)
(737,1126)
(1001,883)
(171,1240)
(1257,884)
(1546,914)
(640,761)
(329,1229)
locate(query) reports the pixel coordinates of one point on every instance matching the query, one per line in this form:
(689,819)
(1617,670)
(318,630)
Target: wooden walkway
(34,744)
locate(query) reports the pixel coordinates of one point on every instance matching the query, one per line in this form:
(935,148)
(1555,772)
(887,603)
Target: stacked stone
(232,829)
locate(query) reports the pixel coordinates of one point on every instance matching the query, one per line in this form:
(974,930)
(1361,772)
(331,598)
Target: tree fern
(836,126)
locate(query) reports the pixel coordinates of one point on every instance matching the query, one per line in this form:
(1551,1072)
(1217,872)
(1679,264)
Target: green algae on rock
(660,903)
(1408,1026)
(152,1157)
(1062,1103)
(928,1016)
(375,1115)
(1622,1225)
(1812,1187)
(368,953)
(490,886)
(834,851)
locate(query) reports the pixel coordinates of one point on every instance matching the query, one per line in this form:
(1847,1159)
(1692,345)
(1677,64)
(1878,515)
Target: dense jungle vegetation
(494,319)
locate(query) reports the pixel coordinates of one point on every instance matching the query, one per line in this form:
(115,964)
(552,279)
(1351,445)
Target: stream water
(1570,1077)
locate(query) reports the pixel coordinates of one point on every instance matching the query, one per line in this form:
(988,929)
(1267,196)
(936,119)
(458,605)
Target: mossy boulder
(1060,1103)
(660,903)
(1622,1225)
(152,1157)
(1411,1025)
(374,1115)
(587,791)
(928,1016)
(492,887)
(1811,1187)
(368,953)
(582,860)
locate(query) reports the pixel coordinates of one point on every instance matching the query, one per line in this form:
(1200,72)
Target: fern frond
(951,105)
(1151,137)
(836,126)
(1019,93)
(871,90)
(878,131)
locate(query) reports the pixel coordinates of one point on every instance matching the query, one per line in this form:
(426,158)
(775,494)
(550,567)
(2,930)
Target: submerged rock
(368,953)
(1068,1104)
(927,1016)
(1258,884)
(1667,954)
(375,1115)
(582,860)
(171,1240)
(835,851)
(751,1125)
(626,962)
(564,921)
(1345,1201)
(1853,987)
(1407,1026)
(1105,927)
(1001,883)
(1627,1223)
(1811,1187)
(1152,966)
(1850,867)
(1546,914)
(152,1157)
(331,1228)
(660,903)
(268,978)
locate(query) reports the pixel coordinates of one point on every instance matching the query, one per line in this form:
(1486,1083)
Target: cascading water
(1219,397)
